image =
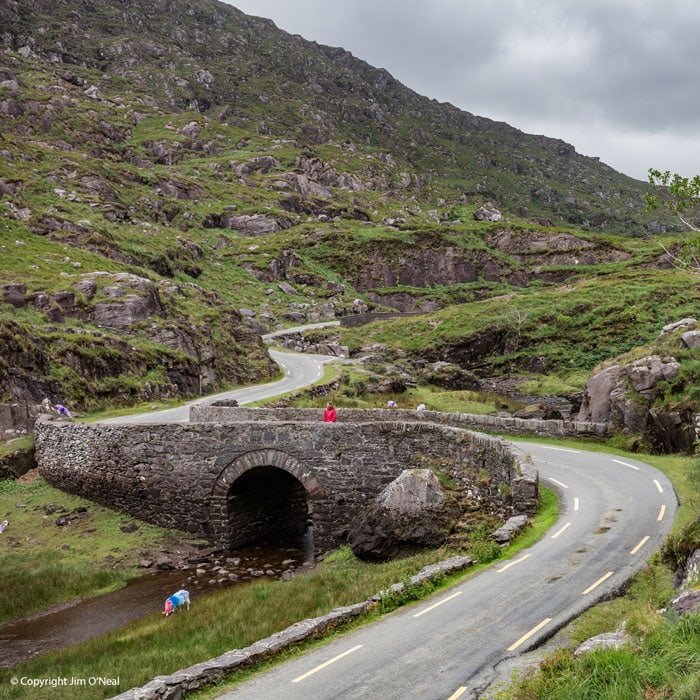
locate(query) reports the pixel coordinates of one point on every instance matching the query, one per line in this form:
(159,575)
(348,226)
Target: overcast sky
(618,79)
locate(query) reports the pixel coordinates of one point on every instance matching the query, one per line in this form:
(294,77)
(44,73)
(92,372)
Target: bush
(679,547)
(485,551)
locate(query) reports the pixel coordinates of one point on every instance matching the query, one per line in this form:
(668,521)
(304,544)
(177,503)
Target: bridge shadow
(264,496)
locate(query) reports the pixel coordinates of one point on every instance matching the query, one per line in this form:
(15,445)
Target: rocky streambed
(201,571)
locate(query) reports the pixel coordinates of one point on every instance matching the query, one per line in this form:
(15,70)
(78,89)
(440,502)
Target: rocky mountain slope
(208,57)
(178,178)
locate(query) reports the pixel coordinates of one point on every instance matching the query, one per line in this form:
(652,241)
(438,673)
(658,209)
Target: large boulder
(487,212)
(624,396)
(14,293)
(411,513)
(131,299)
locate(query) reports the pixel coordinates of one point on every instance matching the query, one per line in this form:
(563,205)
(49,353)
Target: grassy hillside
(210,58)
(180,178)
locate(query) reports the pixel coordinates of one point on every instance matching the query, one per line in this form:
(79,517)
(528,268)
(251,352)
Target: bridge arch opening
(267,505)
(264,496)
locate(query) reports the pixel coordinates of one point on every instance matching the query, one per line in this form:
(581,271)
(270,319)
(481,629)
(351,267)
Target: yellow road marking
(631,466)
(576,503)
(598,582)
(327,663)
(640,545)
(527,636)
(558,483)
(556,534)
(658,486)
(513,563)
(662,512)
(458,693)
(438,604)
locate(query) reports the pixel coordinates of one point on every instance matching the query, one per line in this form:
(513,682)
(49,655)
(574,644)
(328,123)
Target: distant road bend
(614,513)
(300,370)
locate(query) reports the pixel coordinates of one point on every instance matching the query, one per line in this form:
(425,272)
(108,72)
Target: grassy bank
(59,547)
(154,646)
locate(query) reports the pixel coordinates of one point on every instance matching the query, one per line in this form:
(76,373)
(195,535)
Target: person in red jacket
(329,414)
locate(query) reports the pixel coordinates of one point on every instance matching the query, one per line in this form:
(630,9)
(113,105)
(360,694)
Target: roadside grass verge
(665,663)
(233,619)
(663,660)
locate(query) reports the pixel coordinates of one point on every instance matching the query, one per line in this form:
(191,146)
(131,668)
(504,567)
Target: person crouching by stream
(329,415)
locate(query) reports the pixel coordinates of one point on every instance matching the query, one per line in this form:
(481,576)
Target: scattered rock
(538,411)
(689,324)
(487,212)
(691,570)
(607,640)
(451,376)
(510,529)
(685,603)
(691,339)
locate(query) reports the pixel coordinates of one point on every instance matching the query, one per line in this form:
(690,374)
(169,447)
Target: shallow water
(86,619)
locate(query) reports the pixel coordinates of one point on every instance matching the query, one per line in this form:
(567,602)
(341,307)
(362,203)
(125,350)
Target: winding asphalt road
(614,513)
(299,371)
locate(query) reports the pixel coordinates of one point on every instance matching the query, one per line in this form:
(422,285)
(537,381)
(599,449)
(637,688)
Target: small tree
(680,196)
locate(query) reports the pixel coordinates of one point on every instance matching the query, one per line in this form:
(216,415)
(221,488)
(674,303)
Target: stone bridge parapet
(231,473)
(469,421)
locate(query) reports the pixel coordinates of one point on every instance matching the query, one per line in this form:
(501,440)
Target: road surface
(614,513)
(299,371)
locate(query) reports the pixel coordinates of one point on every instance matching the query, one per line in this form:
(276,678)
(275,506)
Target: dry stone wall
(469,421)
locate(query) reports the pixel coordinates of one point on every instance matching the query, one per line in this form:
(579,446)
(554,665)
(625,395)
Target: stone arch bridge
(236,476)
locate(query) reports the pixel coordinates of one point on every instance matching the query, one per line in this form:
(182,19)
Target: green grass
(21,443)
(352,392)
(45,564)
(665,663)
(153,646)
(569,330)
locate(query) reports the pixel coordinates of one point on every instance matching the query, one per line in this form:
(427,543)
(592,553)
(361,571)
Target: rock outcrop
(685,603)
(412,512)
(624,396)
(123,305)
